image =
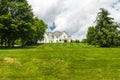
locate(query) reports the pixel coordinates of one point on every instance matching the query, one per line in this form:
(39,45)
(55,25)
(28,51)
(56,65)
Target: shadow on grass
(20,47)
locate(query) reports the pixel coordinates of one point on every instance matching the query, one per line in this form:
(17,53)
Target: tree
(105,33)
(39,28)
(16,22)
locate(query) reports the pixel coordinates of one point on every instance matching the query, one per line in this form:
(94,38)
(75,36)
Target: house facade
(56,37)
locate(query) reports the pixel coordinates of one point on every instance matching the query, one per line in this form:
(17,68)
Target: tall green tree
(105,33)
(40,28)
(16,22)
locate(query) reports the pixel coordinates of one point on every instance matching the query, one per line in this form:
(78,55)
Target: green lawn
(67,61)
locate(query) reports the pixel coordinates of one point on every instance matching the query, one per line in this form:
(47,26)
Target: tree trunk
(1,42)
(23,43)
(10,43)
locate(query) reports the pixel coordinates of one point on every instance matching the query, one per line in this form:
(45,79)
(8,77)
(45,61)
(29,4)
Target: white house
(56,37)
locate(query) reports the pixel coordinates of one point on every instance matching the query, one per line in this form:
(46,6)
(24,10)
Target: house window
(52,36)
(57,41)
(57,36)
(60,40)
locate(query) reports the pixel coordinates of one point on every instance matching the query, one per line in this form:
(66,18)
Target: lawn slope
(67,61)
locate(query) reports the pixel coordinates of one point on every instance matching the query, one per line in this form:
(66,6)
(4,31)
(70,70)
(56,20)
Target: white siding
(54,37)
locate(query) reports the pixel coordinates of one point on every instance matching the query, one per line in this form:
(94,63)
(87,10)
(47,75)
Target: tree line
(18,24)
(106,32)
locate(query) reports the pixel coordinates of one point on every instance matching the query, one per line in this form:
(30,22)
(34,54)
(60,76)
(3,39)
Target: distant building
(56,37)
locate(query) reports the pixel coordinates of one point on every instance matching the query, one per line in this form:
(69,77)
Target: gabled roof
(56,33)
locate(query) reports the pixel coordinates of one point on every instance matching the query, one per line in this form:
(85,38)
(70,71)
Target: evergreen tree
(105,33)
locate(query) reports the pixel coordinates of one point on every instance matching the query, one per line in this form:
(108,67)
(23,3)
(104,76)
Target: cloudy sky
(73,16)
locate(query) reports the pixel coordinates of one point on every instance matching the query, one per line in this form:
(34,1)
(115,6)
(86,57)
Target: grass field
(68,61)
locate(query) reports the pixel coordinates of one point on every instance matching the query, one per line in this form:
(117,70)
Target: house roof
(56,33)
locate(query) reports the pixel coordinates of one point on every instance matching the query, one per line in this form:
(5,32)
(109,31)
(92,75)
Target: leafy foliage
(105,33)
(17,22)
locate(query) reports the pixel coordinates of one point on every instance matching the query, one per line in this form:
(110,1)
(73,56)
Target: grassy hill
(67,61)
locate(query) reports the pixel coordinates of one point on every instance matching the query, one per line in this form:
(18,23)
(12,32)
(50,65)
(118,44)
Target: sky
(73,16)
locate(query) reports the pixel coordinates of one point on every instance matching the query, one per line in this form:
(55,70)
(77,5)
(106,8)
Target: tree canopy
(105,33)
(17,22)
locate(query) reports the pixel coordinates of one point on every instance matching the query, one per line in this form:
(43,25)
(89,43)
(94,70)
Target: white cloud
(73,16)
